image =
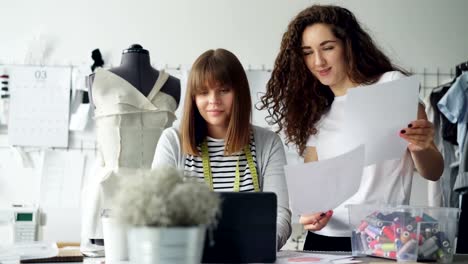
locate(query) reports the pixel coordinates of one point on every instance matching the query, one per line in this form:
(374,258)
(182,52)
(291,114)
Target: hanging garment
(448,129)
(440,193)
(461,184)
(128,127)
(454,105)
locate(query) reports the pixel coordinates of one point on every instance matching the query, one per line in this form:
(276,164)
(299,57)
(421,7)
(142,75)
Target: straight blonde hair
(217,67)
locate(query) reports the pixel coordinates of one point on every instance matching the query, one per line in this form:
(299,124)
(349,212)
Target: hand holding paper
(419,134)
(316,221)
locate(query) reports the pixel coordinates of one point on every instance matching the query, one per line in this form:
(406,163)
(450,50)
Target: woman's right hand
(316,221)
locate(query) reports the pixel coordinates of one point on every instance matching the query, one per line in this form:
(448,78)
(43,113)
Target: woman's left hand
(419,134)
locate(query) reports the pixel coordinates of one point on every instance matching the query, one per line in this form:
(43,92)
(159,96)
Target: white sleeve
(396,75)
(312,141)
(168,149)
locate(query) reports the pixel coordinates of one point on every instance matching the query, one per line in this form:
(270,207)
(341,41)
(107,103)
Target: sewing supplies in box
(404,233)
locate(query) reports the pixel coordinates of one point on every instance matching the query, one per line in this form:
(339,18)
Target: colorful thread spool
(397,228)
(370,232)
(374,221)
(364,242)
(442,239)
(388,232)
(398,244)
(429,246)
(419,238)
(384,239)
(405,237)
(408,248)
(427,218)
(427,232)
(373,244)
(362,226)
(387,247)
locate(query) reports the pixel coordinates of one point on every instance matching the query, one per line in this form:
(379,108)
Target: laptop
(246,230)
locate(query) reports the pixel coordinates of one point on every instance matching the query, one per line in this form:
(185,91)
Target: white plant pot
(166,245)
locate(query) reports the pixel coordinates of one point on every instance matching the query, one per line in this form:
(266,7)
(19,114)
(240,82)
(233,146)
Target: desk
(458,259)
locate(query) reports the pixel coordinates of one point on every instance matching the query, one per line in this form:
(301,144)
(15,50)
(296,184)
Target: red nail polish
(410,125)
(403,131)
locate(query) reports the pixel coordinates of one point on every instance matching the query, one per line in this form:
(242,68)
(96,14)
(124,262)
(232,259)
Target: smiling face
(217,103)
(324,56)
(215,106)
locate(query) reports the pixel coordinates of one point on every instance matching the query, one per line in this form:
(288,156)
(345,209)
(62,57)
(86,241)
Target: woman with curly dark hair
(324,52)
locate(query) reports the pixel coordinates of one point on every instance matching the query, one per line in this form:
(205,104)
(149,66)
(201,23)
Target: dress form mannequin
(135,67)
(133,103)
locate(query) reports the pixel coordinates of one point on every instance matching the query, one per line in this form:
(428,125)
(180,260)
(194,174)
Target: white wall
(417,34)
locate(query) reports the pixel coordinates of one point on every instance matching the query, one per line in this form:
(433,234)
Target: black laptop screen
(246,230)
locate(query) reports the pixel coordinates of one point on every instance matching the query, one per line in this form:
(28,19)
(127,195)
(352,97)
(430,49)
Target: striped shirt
(223,168)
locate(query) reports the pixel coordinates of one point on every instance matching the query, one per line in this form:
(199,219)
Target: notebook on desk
(246,230)
(66,253)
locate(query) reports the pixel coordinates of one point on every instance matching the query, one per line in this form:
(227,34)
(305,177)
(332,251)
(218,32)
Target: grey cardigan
(271,159)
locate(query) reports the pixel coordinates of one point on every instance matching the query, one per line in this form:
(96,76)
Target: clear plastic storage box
(404,233)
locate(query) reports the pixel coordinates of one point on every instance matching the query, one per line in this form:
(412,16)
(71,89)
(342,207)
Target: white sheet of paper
(61,179)
(374,115)
(39,106)
(287,256)
(323,185)
(79,119)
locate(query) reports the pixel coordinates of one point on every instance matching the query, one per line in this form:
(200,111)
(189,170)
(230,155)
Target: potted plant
(167,215)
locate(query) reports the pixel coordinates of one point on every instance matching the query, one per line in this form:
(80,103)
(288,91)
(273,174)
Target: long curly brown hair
(294,98)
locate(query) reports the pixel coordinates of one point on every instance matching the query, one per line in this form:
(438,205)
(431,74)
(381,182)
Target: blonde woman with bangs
(216,141)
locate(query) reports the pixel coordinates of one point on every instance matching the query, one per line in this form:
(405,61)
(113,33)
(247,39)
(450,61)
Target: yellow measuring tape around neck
(209,177)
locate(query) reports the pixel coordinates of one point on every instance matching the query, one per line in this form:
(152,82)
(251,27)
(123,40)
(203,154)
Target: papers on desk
(39,252)
(304,257)
(375,114)
(320,186)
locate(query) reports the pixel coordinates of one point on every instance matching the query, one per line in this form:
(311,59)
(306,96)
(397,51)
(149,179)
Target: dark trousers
(316,242)
(462,243)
